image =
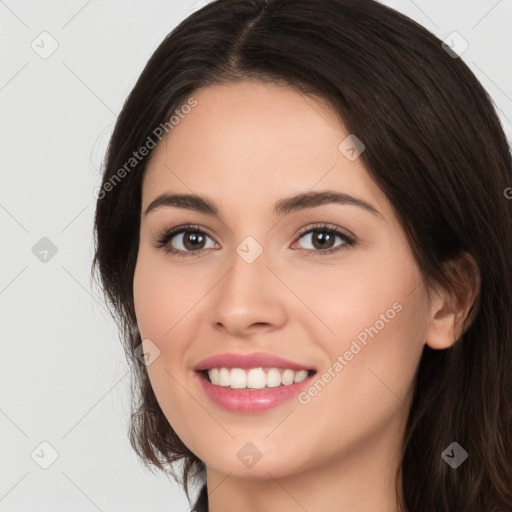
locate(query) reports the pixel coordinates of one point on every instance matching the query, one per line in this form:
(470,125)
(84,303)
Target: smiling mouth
(255,378)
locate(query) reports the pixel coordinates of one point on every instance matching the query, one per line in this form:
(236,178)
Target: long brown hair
(435,147)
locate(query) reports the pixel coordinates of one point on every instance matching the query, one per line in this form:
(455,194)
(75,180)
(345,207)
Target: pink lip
(246,361)
(249,400)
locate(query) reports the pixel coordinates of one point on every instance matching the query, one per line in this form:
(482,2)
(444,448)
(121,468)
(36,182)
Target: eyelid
(327,227)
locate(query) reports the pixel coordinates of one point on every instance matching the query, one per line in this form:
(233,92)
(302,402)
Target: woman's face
(253,279)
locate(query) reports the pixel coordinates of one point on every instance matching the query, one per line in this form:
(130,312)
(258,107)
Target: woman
(304,231)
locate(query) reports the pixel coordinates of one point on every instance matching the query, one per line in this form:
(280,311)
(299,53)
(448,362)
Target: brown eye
(183,240)
(193,240)
(322,239)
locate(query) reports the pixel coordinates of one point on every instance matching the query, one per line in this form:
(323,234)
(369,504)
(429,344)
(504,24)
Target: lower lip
(251,401)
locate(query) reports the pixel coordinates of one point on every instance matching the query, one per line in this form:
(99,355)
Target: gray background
(64,379)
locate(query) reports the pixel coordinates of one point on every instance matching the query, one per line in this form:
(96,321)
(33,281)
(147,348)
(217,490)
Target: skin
(245,146)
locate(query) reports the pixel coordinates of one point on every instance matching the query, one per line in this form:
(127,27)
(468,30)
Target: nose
(248,299)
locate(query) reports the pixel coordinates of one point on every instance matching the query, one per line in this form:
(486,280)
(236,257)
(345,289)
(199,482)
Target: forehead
(257,140)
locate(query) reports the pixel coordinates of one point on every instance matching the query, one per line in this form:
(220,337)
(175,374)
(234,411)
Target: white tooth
(300,376)
(238,378)
(273,378)
(214,375)
(224,377)
(287,377)
(256,378)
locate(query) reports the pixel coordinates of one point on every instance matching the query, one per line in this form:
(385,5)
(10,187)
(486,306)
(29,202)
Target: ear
(449,308)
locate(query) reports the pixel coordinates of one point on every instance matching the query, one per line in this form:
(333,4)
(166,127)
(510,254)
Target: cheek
(158,296)
(374,357)
(149,301)
(160,302)
(364,390)
(378,319)
(365,299)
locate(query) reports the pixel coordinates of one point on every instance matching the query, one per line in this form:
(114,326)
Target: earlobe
(453,311)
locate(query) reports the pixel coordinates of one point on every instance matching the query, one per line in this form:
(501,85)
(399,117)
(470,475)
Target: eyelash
(167,235)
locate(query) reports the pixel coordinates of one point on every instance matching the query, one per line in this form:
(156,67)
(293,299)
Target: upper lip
(246,361)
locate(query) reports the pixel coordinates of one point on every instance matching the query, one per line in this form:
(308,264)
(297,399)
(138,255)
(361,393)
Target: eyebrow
(282,207)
